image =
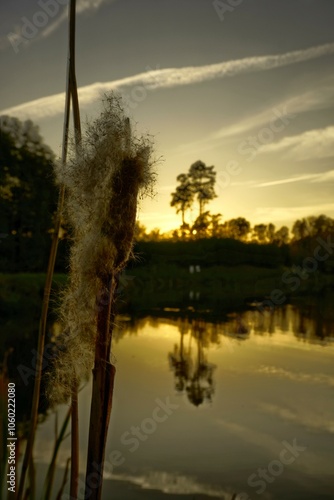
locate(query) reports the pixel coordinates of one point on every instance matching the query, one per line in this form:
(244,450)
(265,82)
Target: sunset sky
(248,88)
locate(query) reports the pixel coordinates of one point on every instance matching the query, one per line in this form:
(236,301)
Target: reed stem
(102,393)
(70,90)
(77,131)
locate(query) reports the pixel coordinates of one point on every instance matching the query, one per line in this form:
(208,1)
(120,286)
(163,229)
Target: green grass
(156,286)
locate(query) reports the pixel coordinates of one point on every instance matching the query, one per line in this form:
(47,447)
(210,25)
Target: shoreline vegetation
(186,286)
(206,278)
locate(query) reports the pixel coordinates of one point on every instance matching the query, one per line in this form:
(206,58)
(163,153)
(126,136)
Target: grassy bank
(214,287)
(148,287)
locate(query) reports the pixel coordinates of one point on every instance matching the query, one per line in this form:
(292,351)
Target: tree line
(28,199)
(199,184)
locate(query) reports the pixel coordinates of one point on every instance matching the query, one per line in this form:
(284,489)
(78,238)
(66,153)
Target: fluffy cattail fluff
(102,183)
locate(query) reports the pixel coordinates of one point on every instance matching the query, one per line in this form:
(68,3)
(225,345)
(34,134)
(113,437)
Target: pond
(241,409)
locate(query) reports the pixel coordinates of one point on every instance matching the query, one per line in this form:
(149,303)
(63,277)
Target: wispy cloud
(325,176)
(307,101)
(312,420)
(318,143)
(320,177)
(311,100)
(309,378)
(169,78)
(83,6)
(252,436)
(317,177)
(278,182)
(311,461)
(172,484)
(275,214)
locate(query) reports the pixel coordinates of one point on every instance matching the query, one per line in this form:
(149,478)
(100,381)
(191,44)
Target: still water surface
(214,410)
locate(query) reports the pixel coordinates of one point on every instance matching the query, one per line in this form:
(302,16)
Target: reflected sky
(271,389)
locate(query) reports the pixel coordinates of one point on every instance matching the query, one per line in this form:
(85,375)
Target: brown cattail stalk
(102,185)
(122,211)
(70,89)
(77,129)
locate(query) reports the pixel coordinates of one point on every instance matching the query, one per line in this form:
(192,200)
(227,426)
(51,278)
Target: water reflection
(309,320)
(193,373)
(189,361)
(261,379)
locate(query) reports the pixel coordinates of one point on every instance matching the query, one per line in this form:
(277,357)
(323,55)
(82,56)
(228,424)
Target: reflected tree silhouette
(192,371)
(180,359)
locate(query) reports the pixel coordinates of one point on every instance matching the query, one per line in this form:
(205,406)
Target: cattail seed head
(102,182)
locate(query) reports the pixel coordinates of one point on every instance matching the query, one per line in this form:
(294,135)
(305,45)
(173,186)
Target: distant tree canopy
(312,227)
(203,181)
(198,184)
(183,197)
(238,228)
(28,196)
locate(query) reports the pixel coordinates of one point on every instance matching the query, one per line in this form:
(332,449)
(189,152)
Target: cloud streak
(319,177)
(288,213)
(315,422)
(311,100)
(308,378)
(288,180)
(318,143)
(308,101)
(169,78)
(171,484)
(83,6)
